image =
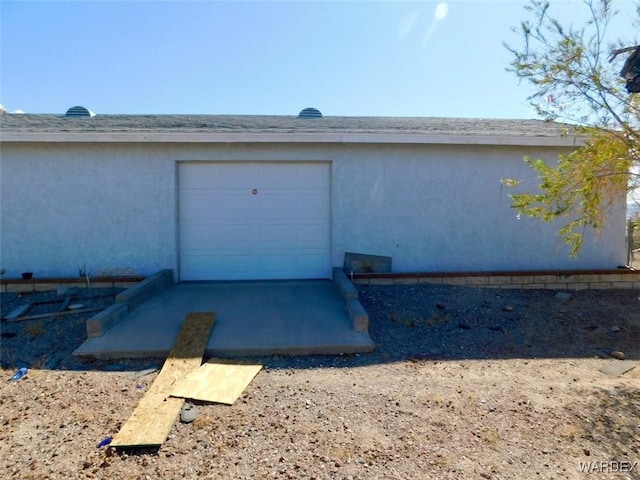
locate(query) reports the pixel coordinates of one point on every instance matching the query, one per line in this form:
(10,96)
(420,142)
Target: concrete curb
(104,320)
(349,294)
(146,289)
(127,302)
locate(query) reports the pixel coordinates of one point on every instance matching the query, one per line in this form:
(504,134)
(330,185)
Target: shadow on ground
(407,322)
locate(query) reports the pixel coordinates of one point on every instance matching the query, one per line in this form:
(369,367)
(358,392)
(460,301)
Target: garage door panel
(235,263)
(275,263)
(244,176)
(204,175)
(230,232)
(278,176)
(239,205)
(311,205)
(275,205)
(313,176)
(238,235)
(277,235)
(200,205)
(200,265)
(199,237)
(312,263)
(312,235)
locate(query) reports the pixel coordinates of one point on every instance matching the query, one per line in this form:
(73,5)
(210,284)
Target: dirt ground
(464,383)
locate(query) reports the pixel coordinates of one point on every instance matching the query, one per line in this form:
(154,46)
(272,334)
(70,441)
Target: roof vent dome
(79,111)
(310,113)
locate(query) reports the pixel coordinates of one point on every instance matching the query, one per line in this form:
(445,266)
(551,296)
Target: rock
(617,354)
(614,329)
(496,328)
(508,308)
(464,326)
(440,306)
(188,413)
(562,296)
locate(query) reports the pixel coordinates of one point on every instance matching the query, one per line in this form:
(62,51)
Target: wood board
(217,381)
(54,314)
(18,311)
(618,367)
(153,418)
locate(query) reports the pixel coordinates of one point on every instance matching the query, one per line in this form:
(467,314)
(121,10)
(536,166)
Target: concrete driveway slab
(253,318)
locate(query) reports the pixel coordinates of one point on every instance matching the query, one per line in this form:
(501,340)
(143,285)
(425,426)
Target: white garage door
(254,221)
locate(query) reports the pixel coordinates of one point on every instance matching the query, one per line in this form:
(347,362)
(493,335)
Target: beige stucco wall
(430,207)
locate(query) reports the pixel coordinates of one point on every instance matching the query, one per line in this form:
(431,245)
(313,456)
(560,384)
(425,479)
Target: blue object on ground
(104,442)
(20,373)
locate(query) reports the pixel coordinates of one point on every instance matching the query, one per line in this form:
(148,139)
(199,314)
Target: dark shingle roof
(275,124)
(178,128)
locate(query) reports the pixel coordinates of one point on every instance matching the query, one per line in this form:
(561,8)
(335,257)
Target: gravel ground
(464,383)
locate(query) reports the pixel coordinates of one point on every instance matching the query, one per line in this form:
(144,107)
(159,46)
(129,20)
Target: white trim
(379,138)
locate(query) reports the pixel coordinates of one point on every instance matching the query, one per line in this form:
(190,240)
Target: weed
(35,329)
(206,422)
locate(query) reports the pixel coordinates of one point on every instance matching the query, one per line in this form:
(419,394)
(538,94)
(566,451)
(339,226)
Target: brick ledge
(20,285)
(621,278)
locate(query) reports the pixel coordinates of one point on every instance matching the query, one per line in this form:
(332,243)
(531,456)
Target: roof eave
(340,138)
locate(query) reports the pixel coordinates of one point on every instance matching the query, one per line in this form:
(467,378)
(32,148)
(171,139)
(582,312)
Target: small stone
(188,413)
(496,328)
(562,296)
(440,306)
(508,308)
(464,326)
(617,355)
(614,329)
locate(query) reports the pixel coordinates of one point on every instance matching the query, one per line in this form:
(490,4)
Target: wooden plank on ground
(54,314)
(618,367)
(153,418)
(65,304)
(217,381)
(18,311)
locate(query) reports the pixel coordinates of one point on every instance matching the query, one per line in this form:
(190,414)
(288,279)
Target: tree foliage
(574,82)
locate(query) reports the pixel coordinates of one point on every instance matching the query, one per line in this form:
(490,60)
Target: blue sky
(382,58)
